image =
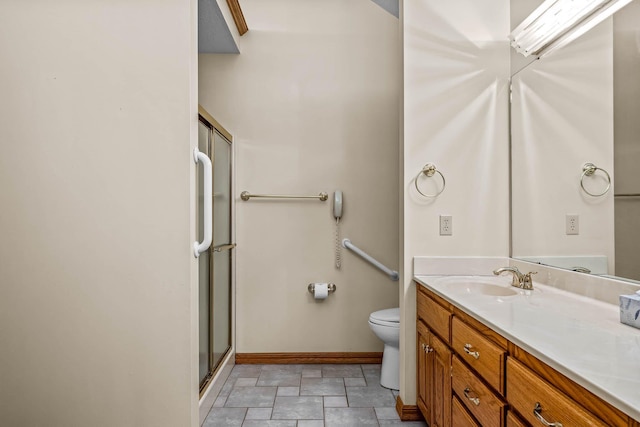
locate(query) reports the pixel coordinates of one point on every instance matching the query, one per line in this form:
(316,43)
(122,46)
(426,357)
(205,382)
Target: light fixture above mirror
(558,22)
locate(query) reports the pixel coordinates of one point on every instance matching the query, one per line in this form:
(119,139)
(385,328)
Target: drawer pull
(474,400)
(427,348)
(537,411)
(467,349)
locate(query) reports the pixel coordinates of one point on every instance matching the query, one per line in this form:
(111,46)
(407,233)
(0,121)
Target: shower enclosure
(215,264)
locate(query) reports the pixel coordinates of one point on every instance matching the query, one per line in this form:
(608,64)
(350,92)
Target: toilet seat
(389,317)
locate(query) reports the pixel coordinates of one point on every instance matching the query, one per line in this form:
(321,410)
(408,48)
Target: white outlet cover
(572,225)
(446,225)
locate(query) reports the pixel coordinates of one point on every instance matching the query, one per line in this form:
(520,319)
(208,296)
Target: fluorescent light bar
(555,23)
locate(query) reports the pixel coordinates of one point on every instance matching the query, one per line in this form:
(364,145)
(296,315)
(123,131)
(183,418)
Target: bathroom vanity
(490,354)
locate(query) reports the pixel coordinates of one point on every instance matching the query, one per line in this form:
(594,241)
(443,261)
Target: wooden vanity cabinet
(485,405)
(514,421)
(468,375)
(536,400)
(423,371)
(460,417)
(434,378)
(483,356)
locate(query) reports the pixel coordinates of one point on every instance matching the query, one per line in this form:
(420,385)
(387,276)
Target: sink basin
(487,289)
(488,286)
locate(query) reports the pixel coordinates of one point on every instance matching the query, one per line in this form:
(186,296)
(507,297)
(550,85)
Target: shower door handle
(207,209)
(223,248)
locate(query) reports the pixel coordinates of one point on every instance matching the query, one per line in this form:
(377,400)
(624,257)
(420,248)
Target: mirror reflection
(576,106)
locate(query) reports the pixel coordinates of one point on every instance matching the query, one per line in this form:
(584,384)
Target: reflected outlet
(446,225)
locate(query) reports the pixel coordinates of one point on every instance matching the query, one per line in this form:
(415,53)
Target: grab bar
(207,234)
(389,272)
(245,195)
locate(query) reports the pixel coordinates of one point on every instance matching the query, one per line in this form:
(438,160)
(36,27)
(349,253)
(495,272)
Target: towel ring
(589,169)
(429,170)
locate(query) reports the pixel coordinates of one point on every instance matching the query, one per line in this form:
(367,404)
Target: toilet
(386,325)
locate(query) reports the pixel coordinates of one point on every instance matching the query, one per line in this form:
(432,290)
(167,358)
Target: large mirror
(580,104)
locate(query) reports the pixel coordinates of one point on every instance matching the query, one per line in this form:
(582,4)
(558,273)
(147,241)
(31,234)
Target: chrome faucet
(522,281)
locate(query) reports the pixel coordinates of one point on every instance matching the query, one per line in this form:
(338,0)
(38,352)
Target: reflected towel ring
(589,169)
(429,170)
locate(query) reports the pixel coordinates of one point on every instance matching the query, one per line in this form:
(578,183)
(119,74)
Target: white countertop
(578,336)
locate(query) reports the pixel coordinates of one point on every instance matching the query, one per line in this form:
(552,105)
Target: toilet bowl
(386,325)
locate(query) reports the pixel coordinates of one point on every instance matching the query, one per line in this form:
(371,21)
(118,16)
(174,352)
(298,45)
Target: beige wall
(456,70)
(97,298)
(312,103)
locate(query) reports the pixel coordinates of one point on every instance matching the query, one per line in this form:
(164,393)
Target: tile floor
(305,396)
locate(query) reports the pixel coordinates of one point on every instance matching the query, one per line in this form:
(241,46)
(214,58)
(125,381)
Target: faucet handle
(527,281)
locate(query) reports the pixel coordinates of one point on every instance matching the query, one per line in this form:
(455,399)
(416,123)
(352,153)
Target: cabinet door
(424,371)
(440,383)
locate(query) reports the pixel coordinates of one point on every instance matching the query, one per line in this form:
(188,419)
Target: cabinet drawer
(514,421)
(483,404)
(480,353)
(434,315)
(459,415)
(525,389)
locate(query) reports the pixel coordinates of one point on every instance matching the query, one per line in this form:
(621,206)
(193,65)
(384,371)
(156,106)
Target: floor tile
(312,373)
(297,408)
(348,371)
(371,374)
(305,396)
(279,378)
(288,391)
(245,382)
(355,382)
(269,423)
(371,368)
(322,387)
(251,397)
(363,397)
(387,414)
(258,414)
(396,423)
(225,417)
(226,388)
(295,369)
(350,417)
(245,371)
(220,401)
(335,402)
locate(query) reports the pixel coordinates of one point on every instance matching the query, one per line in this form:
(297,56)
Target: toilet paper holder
(331,286)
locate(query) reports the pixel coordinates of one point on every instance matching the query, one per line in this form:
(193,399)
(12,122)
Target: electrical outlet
(572,224)
(446,225)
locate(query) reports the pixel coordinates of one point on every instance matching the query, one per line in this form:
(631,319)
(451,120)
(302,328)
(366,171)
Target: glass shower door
(204,271)
(222,247)
(214,265)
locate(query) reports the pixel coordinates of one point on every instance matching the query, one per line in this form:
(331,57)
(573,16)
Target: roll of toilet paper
(320,290)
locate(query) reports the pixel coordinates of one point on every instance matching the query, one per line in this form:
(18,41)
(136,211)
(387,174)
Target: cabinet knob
(426,348)
(474,399)
(537,411)
(467,349)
